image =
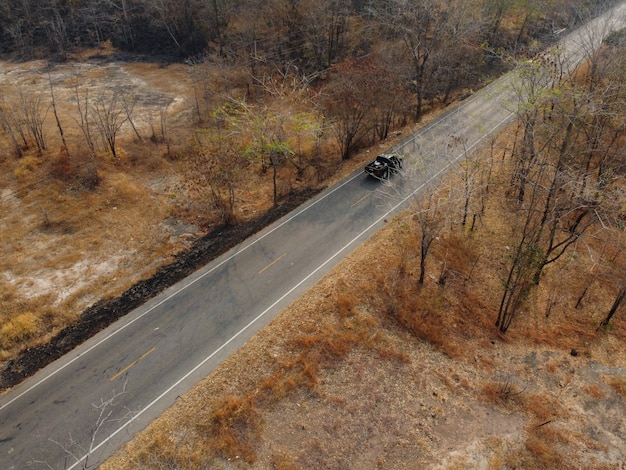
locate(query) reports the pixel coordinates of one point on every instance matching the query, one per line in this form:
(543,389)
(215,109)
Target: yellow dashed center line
(132,364)
(272,263)
(360,200)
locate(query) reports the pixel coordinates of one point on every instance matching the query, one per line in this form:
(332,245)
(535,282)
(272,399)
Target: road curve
(78,410)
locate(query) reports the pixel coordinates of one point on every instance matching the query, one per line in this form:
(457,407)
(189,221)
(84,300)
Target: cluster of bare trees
(156,27)
(281,130)
(567,166)
(384,60)
(566,170)
(29,114)
(318,32)
(23,118)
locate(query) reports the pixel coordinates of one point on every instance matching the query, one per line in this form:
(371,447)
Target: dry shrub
(282,461)
(554,366)
(459,253)
(544,449)
(539,405)
(330,344)
(163,451)
(559,331)
(337,343)
(487,363)
(500,392)
(309,366)
(62,167)
(346,303)
(18,329)
(281,383)
(88,176)
(126,190)
(235,427)
(593,390)
(542,452)
(491,392)
(428,316)
(142,159)
(618,384)
(324,349)
(389,352)
(307,341)
(26,166)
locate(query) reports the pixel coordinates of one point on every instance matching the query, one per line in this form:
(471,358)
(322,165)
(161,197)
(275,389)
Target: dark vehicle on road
(384,165)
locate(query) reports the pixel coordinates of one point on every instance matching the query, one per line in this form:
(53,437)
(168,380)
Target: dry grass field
(369,370)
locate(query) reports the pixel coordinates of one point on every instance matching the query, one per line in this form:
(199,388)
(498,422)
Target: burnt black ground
(103,313)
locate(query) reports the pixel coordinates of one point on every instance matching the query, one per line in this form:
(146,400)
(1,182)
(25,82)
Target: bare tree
(431,31)
(84,120)
(11,126)
(266,136)
(430,220)
(128,105)
(109,117)
(568,144)
(532,81)
(590,39)
(77,452)
(469,174)
(56,114)
(494,12)
(32,110)
(124,8)
(518,280)
(216,166)
(349,100)
(325,32)
(56,28)
(616,304)
(613,255)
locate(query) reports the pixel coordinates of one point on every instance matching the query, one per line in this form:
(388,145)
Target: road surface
(80,409)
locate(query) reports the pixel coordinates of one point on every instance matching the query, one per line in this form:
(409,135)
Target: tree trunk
(616,304)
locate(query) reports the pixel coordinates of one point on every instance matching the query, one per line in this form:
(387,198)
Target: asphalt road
(80,409)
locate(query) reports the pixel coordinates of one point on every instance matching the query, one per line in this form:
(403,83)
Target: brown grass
(542,446)
(594,391)
(235,427)
(618,384)
(18,329)
(61,247)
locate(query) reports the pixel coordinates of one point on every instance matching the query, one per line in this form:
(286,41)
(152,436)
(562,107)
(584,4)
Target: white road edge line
(236,335)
